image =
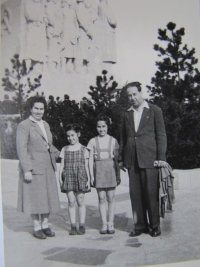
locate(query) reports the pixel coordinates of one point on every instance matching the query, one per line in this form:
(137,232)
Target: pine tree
(176,89)
(103,94)
(14,81)
(176,78)
(103,101)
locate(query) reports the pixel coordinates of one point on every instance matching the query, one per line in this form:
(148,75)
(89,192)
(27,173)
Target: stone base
(186,178)
(183,178)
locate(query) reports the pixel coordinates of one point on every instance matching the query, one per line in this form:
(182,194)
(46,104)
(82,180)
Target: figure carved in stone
(6,20)
(92,7)
(70,35)
(54,31)
(36,41)
(107,25)
(95,63)
(85,41)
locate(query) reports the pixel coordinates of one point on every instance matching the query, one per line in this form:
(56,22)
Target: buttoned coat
(31,145)
(149,142)
(36,155)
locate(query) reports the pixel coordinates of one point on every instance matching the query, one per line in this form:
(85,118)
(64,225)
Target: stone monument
(69,42)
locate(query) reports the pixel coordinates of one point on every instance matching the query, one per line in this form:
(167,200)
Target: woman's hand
(28,176)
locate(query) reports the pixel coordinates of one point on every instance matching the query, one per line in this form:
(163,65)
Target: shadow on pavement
(20,222)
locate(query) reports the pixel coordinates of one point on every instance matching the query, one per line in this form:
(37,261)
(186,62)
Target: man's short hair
(134,84)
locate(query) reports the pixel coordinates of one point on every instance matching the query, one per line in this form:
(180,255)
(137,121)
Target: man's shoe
(81,230)
(156,232)
(48,232)
(139,232)
(39,234)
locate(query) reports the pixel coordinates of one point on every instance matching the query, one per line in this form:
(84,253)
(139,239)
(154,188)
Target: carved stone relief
(35,37)
(72,35)
(6,21)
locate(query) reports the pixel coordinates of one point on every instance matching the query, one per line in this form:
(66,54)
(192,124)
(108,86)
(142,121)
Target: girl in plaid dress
(74,176)
(104,171)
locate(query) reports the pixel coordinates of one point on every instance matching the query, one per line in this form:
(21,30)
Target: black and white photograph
(100,133)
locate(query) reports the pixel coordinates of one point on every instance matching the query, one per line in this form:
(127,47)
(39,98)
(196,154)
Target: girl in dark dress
(74,176)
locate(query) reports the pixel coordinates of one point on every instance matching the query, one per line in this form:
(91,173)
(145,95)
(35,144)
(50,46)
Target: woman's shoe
(39,234)
(104,230)
(81,230)
(73,231)
(48,232)
(111,229)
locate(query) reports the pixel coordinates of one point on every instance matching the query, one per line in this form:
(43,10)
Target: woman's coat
(36,155)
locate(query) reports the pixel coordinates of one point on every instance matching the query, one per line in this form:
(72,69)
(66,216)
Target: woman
(37,194)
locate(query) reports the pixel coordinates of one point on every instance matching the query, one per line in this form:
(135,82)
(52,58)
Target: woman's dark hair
(73,127)
(37,99)
(102,117)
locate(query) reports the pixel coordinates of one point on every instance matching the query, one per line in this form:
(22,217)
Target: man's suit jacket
(149,142)
(32,146)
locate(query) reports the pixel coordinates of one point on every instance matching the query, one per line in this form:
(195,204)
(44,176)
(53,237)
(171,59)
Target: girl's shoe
(104,230)
(111,229)
(73,231)
(81,230)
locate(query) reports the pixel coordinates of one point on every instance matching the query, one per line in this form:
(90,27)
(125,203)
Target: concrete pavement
(179,242)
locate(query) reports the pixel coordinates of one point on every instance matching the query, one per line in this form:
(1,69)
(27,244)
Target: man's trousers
(144,194)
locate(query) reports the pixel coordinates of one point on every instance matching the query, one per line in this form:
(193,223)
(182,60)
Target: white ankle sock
(36,222)
(45,220)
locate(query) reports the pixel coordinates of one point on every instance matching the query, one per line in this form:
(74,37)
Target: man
(142,141)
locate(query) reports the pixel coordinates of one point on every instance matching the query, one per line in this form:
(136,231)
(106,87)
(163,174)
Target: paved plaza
(179,242)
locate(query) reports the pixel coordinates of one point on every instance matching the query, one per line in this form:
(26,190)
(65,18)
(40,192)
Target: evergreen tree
(14,81)
(103,101)
(176,89)
(103,93)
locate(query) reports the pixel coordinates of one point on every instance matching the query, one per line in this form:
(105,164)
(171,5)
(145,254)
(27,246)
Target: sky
(137,32)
